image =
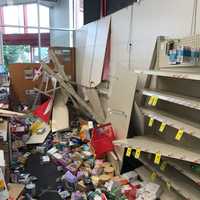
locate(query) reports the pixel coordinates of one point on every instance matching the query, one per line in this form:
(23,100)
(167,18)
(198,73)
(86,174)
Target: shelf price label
(157,158)
(155,101)
(162,127)
(151,121)
(128,152)
(153,176)
(151,100)
(168,184)
(137,153)
(179,134)
(163,166)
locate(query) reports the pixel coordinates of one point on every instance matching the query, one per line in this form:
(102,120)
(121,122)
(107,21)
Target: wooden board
(18,82)
(190,102)
(8,113)
(39,138)
(171,74)
(15,190)
(189,127)
(60,114)
(154,145)
(145,175)
(176,181)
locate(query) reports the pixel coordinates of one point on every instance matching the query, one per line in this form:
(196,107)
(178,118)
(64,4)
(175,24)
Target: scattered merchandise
(184,54)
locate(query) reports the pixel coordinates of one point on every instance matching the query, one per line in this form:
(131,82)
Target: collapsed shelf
(174,180)
(189,127)
(186,101)
(153,145)
(185,169)
(145,175)
(170,74)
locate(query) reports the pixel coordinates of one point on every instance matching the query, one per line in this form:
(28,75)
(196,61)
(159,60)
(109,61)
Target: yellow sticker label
(137,153)
(151,121)
(157,158)
(155,101)
(2,185)
(153,176)
(168,184)
(179,134)
(128,152)
(163,166)
(151,100)
(162,127)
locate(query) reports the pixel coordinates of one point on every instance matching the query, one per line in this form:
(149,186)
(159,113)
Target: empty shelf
(189,127)
(177,181)
(153,145)
(186,101)
(145,175)
(171,74)
(185,169)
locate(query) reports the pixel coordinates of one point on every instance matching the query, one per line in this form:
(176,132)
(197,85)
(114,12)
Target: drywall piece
(95,102)
(80,39)
(87,62)
(121,38)
(189,127)
(171,74)
(120,103)
(7,113)
(190,102)
(39,138)
(154,145)
(103,27)
(60,114)
(2,161)
(178,182)
(4,130)
(184,168)
(145,175)
(93,52)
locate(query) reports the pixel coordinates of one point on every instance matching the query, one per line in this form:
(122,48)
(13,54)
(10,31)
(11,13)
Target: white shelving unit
(145,175)
(177,108)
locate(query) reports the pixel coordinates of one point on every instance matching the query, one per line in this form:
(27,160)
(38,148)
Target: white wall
(59,18)
(152,18)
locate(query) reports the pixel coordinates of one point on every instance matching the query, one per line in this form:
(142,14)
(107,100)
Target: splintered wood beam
(70,90)
(8,113)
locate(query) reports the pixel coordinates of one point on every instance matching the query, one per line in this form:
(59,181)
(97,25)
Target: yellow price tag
(179,134)
(153,176)
(168,184)
(151,100)
(157,158)
(151,121)
(137,153)
(2,185)
(128,152)
(163,166)
(162,127)
(155,101)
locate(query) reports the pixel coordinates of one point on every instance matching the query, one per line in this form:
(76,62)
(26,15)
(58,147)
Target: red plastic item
(44,111)
(102,138)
